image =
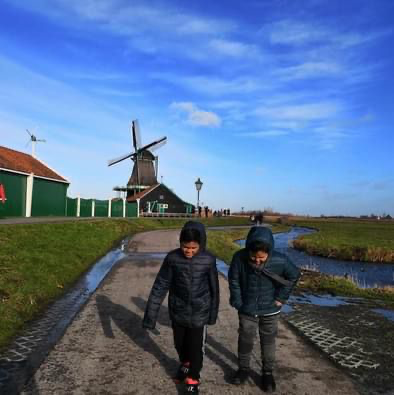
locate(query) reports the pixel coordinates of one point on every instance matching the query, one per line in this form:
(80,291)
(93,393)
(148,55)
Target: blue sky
(282,104)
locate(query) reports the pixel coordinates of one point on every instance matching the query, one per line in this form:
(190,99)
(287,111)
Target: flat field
(357,240)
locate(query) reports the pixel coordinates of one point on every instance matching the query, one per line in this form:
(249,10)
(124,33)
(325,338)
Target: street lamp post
(198,187)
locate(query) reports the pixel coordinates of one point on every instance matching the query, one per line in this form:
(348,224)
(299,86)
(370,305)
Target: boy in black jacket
(260,281)
(189,274)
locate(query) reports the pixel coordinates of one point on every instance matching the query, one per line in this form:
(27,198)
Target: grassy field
(223,246)
(39,262)
(357,240)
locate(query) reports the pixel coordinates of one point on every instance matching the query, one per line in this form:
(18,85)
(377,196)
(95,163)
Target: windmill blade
(158,145)
(161,140)
(117,160)
(43,141)
(28,132)
(136,134)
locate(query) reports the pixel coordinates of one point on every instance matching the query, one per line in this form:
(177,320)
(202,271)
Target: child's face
(190,248)
(258,257)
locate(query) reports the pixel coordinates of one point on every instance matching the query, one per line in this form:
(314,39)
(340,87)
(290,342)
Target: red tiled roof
(19,161)
(141,194)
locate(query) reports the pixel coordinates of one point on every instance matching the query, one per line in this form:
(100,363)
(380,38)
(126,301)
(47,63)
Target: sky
(277,104)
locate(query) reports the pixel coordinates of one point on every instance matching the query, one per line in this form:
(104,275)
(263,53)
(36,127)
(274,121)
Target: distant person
(206,211)
(199,211)
(259,219)
(189,273)
(260,281)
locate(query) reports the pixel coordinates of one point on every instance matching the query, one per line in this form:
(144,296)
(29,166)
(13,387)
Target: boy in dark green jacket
(260,281)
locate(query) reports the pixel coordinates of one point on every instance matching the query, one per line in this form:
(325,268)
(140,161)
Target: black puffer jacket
(253,292)
(193,287)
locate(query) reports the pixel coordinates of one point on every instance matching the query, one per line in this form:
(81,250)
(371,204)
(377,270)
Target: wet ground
(356,334)
(353,336)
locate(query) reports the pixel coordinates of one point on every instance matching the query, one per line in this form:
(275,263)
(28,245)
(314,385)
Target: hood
(260,233)
(201,229)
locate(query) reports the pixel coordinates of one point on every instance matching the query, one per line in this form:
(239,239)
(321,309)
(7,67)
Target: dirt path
(106,351)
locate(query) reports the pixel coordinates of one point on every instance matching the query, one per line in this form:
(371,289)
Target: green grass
(322,284)
(39,262)
(357,240)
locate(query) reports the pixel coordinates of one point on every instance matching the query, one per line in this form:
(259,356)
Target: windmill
(145,169)
(34,140)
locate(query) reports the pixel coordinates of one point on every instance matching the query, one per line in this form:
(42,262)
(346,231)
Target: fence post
(124,207)
(138,208)
(29,194)
(78,206)
(93,207)
(109,207)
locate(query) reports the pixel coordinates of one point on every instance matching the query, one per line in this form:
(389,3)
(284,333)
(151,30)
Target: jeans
(268,329)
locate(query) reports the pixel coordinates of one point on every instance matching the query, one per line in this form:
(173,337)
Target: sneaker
(192,386)
(268,382)
(240,376)
(182,373)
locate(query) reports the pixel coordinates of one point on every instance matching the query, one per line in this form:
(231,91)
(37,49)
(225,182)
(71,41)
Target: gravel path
(106,351)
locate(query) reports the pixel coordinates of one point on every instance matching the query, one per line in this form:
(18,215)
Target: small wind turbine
(34,140)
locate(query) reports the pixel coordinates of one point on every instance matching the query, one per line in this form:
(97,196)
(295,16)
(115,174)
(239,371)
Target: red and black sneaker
(192,385)
(182,373)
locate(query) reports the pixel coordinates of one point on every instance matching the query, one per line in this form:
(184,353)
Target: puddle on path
(315,300)
(389,314)
(26,353)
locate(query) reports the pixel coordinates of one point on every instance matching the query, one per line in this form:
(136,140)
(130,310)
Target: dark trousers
(189,343)
(268,329)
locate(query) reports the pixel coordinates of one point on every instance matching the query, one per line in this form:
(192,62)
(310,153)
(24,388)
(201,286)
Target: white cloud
(228,104)
(295,33)
(291,32)
(197,116)
(131,20)
(302,112)
(310,70)
(329,136)
(265,133)
(234,48)
(213,86)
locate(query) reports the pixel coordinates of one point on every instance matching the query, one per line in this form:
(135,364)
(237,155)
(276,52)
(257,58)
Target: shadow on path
(130,324)
(216,352)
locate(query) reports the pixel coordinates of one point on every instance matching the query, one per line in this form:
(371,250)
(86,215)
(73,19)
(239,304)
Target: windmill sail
(120,158)
(136,134)
(144,172)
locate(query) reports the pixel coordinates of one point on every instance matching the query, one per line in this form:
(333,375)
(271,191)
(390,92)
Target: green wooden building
(160,200)
(31,187)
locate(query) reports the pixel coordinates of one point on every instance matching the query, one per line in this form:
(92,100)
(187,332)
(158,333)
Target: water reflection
(389,314)
(364,274)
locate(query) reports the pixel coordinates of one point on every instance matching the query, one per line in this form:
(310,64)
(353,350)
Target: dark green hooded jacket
(253,292)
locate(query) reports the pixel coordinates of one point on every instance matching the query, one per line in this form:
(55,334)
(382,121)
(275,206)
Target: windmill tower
(145,168)
(34,140)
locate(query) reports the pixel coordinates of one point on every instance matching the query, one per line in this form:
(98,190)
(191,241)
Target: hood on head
(201,229)
(260,233)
